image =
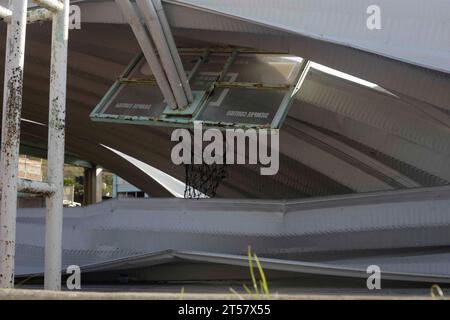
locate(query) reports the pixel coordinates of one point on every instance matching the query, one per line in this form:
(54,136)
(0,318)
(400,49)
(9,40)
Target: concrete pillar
(93,185)
(89,186)
(98,185)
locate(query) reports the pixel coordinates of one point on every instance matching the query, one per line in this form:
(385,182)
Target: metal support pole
(9,164)
(147,48)
(157,33)
(56,137)
(289,98)
(89,186)
(173,48)
(198,64)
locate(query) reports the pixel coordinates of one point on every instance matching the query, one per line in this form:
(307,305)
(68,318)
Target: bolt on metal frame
(17,16)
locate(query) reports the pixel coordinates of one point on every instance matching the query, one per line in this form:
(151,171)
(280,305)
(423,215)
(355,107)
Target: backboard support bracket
(224,80)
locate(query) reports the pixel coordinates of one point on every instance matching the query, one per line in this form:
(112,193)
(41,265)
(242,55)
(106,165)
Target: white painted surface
(56,147)
(9,164)
(413,31)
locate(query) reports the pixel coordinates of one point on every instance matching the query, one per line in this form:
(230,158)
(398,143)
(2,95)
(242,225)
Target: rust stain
(13,112)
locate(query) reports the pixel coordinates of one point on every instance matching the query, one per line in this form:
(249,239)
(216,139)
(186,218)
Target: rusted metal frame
(33,15)
(229,85)
(207,94)
(36,187)
(112,91)
(222,84)
(151,81)
(5,14)
(222,73)
(9,164)
(290,96)
(228,50)
(219,83)
(199,96)
(56,140)
(54,6)
(201,60)
(39,15)
(227,65)
(138,81)
(252,85)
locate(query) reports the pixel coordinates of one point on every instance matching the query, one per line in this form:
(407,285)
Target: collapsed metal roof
(387,133)
(215,266)
(407,236)
(340,136)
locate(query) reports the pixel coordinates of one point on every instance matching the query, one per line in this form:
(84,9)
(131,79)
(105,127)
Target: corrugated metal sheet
(349,226)
(139,267)
(334,34)
(395,128)
(403,35)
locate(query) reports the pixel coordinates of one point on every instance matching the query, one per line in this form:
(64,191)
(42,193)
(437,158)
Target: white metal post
(56,138)
(12,107)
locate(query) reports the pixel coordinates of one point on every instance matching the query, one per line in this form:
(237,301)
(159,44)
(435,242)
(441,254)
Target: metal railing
(17,16)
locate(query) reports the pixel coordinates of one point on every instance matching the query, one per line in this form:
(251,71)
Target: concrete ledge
(27,294)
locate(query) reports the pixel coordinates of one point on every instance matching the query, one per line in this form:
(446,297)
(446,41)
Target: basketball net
(203,180)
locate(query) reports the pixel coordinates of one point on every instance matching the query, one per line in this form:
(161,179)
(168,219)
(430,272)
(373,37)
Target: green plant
(23,282)
(181,297)
(436,292)
(69,182)
(260,288)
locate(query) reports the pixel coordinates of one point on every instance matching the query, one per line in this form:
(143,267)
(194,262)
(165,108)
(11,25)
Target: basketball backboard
(231,88)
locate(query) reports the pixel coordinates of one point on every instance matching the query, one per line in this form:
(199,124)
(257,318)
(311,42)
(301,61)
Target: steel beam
(56,139)
(197,65)
(173,48)
(148,49)
(39,15)
(161,43)
(9,164)
(52,5)
(90,186)
(289,98)
(36,187)
(252,85)
(98,184)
